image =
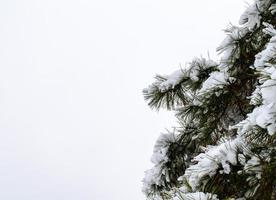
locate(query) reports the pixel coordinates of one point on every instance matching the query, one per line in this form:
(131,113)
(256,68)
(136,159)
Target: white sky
(73,122)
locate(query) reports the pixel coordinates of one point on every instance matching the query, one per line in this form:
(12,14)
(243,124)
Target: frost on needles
(225,144)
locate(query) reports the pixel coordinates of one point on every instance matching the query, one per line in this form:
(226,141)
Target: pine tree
(225,144)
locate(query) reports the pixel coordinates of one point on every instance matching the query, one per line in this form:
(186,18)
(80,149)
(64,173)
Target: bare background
(73,122)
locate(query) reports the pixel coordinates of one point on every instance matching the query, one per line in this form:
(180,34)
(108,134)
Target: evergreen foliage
(225,145)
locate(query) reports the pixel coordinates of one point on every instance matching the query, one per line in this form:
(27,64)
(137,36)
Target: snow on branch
(191,71)
(158,175)
(229,47)
(216,80)
(177,88)
(265,114)
(252,18)
(209,162)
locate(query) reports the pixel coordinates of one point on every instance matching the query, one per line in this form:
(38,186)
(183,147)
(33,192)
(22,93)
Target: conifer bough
(225,144)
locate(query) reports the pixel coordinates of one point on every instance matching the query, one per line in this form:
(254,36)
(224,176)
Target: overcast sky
(73,122)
